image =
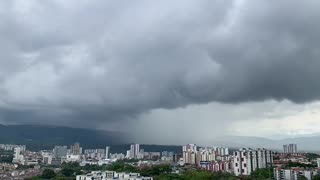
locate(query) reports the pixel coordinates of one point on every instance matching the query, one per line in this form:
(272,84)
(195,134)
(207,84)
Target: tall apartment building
(60,151)
(221,151)
(134,151)
(205,155)
(292,174)
(107,152)
(17,155)
(189,153)
(246,161)
(290,148)
(76,149)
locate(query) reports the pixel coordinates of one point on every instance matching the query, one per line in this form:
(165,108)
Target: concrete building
(128,155)
(292,174)
(47,159)
(246,160)
(134,151)
(10,147)
(117,156)
(221,151)
(17,155)
(60,151)
(73,158)
(111,175)
(94,153)
(107,152)
(189,153)
(217,166)
(290,148)
(151,155)
(75,149)
(205,154)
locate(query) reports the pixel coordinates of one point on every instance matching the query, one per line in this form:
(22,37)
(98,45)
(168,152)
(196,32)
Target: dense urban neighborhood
(192,162)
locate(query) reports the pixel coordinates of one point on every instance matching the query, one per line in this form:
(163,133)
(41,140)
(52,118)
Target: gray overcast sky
(172,69)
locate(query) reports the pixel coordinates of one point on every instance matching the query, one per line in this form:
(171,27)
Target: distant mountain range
(36,137)
(45,137)
(304,143)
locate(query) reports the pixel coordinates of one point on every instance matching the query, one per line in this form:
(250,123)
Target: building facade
(246,161)
(292,174)
(75,149)
(111,175)
(290,148)
(60,151)
(134,151)
(189,152)
(107,152)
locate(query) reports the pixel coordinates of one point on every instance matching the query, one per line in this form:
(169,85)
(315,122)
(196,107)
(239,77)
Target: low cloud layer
(87,63)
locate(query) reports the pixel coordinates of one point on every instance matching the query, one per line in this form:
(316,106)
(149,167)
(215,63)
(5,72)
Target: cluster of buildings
(306,167)
(112,175)
(208,158)
(58,155)
(282,159)
(10,147)
(75,153)
(290,148)
(194,155)
(246,161)
(18,153)
(135,152)
(241,163)
(10,171)
(294,173)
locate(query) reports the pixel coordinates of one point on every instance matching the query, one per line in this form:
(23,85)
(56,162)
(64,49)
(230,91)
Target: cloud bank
(86,63)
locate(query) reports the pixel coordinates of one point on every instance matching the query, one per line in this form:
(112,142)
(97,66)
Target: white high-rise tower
(107,152)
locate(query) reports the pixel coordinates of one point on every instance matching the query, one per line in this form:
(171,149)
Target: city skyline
(19,162)
(163,72)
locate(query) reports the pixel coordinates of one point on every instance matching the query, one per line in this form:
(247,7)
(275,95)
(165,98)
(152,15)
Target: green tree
(297,164)
(316,177)
(61,177)
(36,178)
(223,176)
(156,170)
(68,172)
(168,177)
(302,177)
(197,175)
(48,174)
(264,173)
(312,156)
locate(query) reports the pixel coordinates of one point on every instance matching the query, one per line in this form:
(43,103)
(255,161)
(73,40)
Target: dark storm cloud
(79,61)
